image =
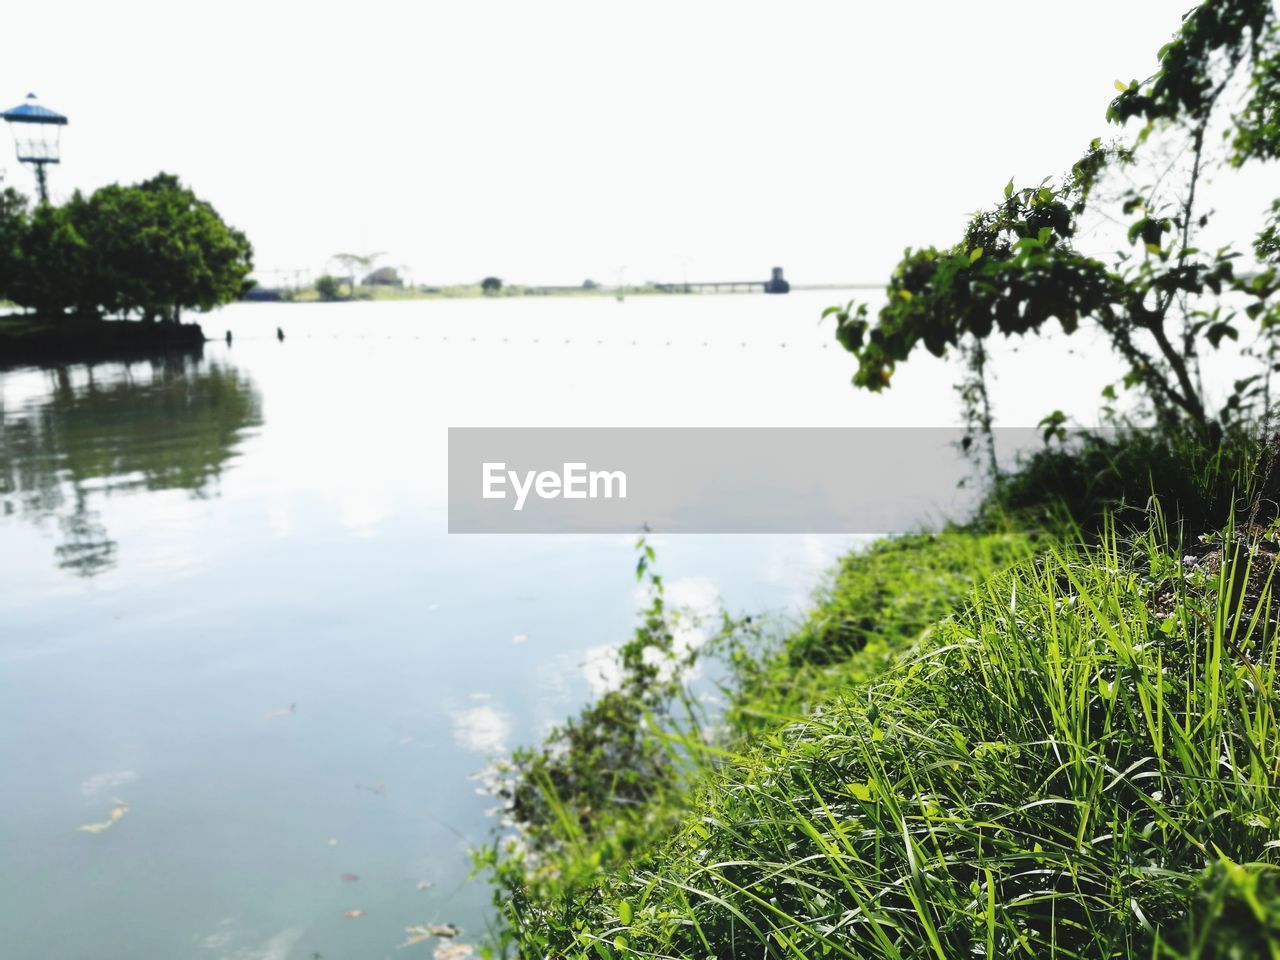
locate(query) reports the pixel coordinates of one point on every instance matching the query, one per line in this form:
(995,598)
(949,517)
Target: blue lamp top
(30,111)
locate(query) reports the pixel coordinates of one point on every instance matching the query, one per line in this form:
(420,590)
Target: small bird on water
(279,334)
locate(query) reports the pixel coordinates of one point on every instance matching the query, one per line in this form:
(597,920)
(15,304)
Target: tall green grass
(878,602)
(1081,763)
(615,782)
(1038,736)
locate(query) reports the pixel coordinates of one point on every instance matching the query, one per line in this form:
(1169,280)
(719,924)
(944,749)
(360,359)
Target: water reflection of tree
(161,425)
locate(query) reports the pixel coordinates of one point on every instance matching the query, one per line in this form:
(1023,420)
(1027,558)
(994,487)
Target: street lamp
(36,133)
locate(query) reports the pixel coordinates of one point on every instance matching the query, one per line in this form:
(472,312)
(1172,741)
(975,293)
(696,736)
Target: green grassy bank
(1024,737)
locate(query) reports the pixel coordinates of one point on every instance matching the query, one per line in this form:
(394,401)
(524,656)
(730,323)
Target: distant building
(777,283)
(384,277)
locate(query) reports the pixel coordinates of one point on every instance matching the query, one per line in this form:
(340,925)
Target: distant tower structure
(37,135)
(777,283)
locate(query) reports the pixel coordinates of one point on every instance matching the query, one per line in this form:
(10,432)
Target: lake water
(228,600)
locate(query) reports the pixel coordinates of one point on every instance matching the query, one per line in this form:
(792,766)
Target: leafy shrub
(1124,474)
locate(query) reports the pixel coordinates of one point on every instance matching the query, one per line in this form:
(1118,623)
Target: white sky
(550,142)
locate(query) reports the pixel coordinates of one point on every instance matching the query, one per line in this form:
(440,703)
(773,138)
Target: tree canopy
(149,250)
(1161,300)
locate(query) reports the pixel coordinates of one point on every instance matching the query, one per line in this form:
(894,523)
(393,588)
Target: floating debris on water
(454,951)
(288,711)
(353,914)
(349,877)
(425,884)
(116,815)
(425,931)
(520,638)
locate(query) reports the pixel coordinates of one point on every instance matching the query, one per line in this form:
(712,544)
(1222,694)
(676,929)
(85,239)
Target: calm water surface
(229,602)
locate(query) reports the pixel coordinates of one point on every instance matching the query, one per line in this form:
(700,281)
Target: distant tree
(329,288)
(490,285)
(356,264)
(384,277)
(590,284)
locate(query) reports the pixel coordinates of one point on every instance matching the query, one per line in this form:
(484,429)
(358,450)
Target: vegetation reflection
(171,423)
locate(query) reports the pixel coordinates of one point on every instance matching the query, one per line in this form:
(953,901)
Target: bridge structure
(775,284)
(712,286)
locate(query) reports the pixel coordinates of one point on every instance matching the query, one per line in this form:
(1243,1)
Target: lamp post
(36,134)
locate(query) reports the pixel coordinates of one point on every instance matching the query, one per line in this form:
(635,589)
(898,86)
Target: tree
(184,253)
(490,285)
(356,263)
(1160,300)
(329,288)
(54,270)
(14,221)
(153,249)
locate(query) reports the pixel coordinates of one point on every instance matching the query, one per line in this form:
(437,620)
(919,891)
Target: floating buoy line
(568,341)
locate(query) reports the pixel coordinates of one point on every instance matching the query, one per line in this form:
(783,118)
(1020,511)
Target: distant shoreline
(474,291)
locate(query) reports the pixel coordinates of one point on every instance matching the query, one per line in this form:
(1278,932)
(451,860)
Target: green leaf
(1219,330)
(624,913)
(862,791)
(974,254)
